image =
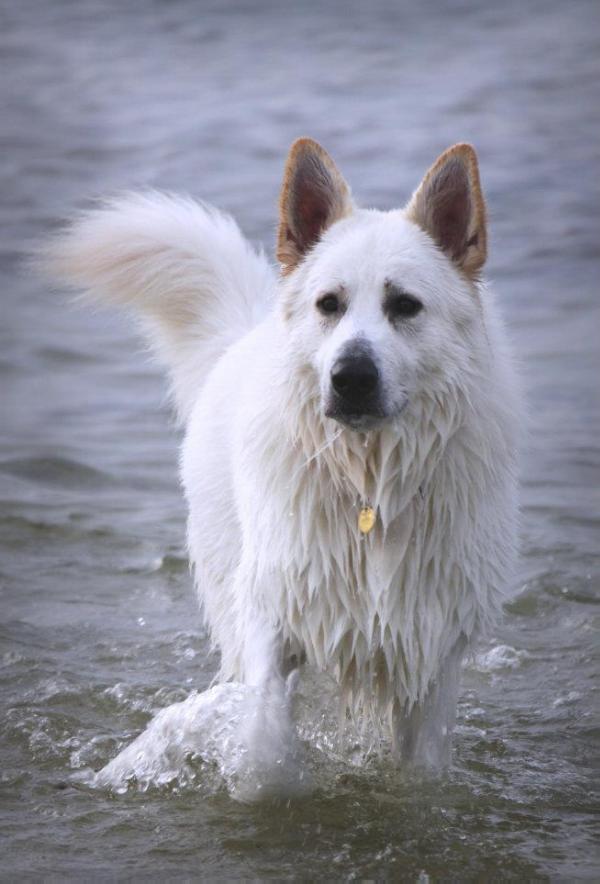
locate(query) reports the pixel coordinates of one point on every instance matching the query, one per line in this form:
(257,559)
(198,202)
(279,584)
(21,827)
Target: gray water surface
(100,626)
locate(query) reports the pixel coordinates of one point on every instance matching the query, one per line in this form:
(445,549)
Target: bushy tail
(186,270)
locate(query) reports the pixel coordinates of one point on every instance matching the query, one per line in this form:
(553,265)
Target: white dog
(350,449)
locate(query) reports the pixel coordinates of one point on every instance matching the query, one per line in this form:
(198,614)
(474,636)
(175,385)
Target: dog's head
(379,303)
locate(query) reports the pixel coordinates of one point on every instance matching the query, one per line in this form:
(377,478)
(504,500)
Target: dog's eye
(402,306)
(329,304)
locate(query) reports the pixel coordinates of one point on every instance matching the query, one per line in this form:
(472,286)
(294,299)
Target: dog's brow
(339,289)
(393,290)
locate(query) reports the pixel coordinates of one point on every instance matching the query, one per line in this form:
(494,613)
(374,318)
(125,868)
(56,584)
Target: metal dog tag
(366,519)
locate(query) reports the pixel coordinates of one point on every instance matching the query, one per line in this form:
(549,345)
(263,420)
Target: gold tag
(366,519)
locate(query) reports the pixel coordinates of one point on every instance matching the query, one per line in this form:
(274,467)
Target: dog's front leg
(271,761)
(422,734)
(246,629)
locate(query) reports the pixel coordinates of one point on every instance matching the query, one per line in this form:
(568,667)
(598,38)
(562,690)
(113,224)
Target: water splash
(246,733)
(498,658)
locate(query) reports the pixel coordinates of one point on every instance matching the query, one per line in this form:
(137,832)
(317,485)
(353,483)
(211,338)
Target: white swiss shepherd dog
(351,425)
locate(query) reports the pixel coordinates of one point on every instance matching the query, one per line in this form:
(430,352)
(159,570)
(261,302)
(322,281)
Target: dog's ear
(449,206)
(313,196)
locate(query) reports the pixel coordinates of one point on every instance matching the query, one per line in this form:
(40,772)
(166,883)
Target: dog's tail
(183,267)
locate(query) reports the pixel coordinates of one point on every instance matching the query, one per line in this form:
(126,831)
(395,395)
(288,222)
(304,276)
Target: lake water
(100,627)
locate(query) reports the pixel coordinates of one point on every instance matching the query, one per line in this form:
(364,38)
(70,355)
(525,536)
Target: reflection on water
(99,625)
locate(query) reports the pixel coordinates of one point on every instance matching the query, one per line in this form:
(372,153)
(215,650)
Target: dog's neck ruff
(381,470)
(360,597)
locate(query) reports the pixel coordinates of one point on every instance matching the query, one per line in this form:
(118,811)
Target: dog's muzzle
(355,391)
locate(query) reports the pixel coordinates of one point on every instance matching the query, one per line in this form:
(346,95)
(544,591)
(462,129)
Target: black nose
(354,378)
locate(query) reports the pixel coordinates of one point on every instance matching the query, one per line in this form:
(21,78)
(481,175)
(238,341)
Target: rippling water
(99,623)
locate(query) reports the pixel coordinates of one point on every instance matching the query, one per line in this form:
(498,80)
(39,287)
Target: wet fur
(274,487)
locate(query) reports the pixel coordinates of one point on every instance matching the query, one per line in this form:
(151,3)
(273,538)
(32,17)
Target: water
(99,623)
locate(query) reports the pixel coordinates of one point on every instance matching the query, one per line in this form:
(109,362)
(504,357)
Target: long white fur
(184,268)
(274,488)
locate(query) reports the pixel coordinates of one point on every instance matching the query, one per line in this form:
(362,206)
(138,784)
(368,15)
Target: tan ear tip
(304,144)
(465,146)
(462,149)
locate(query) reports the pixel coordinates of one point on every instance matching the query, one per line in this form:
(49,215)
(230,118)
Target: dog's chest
(361,606)
(381,611)
(373,608)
